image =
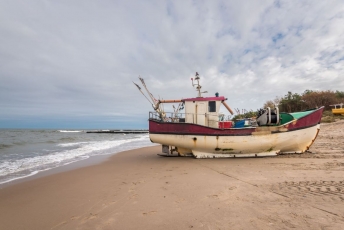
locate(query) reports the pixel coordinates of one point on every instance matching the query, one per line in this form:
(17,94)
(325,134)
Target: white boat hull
(260,144)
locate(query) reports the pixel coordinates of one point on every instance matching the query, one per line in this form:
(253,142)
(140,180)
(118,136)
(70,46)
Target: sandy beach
(139,190)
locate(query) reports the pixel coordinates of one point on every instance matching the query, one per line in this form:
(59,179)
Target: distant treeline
(293,102)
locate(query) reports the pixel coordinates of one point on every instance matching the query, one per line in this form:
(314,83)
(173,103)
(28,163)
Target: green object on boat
(285,118)
(298,115)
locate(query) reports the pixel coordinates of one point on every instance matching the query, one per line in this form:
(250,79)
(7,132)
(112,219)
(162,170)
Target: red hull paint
(306,121)
(157,127)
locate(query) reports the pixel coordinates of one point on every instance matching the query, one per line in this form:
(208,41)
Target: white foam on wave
(19,177)
(20,168)
(71,144)
(70,131)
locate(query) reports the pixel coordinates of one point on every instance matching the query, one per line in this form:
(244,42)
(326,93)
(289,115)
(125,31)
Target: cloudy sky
(71,63)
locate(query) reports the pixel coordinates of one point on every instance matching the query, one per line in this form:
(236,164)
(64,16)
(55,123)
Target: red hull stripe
(157,127)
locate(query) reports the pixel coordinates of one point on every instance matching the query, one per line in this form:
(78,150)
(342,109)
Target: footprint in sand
(75,217)
(149,213)
(213,196)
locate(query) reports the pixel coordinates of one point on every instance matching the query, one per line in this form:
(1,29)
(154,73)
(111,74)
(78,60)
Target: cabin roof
(221,98)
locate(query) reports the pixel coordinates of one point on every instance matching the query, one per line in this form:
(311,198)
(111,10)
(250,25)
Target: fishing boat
(338,109)
(197,128)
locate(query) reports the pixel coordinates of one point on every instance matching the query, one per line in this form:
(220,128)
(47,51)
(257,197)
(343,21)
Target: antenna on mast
(198,86)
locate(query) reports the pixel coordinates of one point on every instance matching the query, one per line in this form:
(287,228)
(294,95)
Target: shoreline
(92,160)
(137,189)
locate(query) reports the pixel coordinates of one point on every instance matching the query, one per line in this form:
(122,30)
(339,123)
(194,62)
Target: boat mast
(155,103)
(198,86)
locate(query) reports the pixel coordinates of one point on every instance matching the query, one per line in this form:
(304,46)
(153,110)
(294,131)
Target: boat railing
(206,119)
(340,106)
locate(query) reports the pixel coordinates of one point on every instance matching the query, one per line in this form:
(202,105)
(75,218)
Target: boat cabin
(203,110)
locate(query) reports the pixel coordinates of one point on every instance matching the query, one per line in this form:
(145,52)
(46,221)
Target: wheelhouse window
(212,106)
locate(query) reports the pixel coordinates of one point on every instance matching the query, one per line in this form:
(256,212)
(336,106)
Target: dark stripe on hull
(157,127)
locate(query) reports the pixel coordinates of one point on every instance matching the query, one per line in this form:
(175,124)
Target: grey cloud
(62,59)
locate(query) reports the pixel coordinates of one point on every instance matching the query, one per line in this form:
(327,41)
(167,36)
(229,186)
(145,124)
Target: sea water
(26,152)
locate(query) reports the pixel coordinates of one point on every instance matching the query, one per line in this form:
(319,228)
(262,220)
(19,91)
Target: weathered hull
(249,145)
(203,142)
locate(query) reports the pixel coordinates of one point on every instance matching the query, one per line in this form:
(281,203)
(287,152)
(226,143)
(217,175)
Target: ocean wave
(50,142)
(4,146)
(71,144)
(70,131)
(67,139)
(19,143)
(17,168)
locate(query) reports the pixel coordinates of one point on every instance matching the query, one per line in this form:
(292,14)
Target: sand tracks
(330,190)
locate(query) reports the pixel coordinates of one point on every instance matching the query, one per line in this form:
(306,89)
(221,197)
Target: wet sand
(140,190)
